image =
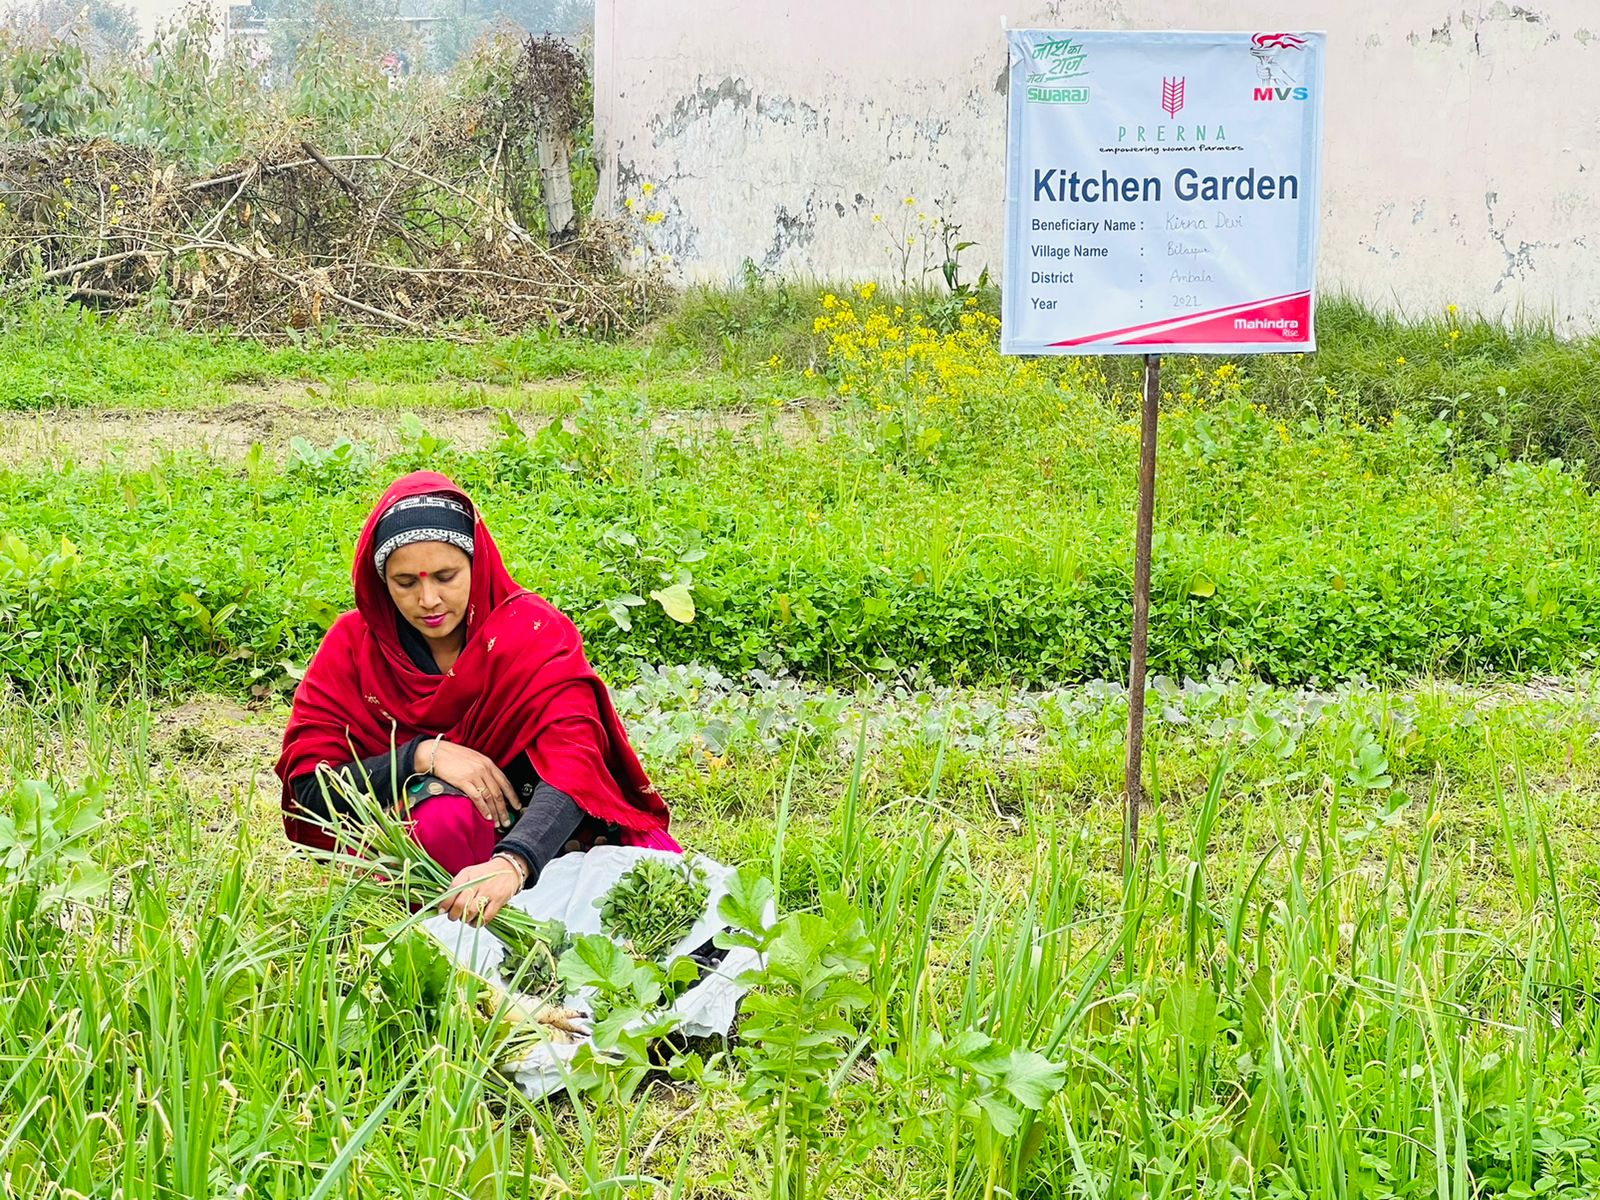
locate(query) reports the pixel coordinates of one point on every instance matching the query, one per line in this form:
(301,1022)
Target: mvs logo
(1275,55)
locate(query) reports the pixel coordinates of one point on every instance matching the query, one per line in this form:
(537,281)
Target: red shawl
(521,669)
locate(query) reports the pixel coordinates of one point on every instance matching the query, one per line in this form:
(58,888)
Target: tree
(560,18)
(468,21)
(104,29)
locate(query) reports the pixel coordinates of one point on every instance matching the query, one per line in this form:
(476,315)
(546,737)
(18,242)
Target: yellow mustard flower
(648,189)
(656,217)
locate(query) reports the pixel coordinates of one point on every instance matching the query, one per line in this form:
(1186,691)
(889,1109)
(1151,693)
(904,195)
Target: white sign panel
(1162,192)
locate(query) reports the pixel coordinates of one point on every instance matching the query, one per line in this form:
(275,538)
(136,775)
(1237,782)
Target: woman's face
(429,583)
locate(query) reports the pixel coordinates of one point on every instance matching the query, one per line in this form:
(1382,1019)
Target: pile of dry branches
(416,240)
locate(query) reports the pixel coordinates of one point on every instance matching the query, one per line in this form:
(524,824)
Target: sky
(153,12)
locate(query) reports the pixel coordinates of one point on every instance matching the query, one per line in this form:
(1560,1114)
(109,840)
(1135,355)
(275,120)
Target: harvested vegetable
(653,906)
(531,955)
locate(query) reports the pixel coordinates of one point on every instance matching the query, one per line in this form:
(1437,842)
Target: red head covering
(522,668)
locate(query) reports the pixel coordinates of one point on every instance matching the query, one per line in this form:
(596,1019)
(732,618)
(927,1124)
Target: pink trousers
(457,836)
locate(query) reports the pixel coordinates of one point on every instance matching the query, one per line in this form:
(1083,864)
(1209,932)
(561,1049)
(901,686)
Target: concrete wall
(1462,161)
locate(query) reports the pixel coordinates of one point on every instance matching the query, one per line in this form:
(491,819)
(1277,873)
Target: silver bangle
(434,760)
(517,865)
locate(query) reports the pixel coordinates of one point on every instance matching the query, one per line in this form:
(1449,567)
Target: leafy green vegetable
(655,904)
(1298,537)
(532,954)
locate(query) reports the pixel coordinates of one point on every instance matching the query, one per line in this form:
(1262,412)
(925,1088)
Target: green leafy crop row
(1322,549)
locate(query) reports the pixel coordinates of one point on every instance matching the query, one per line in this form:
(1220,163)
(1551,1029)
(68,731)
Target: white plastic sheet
(567,891)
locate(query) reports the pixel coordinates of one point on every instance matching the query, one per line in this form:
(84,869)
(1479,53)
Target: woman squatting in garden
(464,700)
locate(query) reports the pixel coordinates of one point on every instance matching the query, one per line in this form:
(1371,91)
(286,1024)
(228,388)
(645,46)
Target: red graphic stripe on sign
(1286,322)
(1116,335)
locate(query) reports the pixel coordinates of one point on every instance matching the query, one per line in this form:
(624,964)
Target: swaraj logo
(1172,95)
(1277,81)
(1055,65)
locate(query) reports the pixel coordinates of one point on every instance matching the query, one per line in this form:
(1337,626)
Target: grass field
(968,518)
(1352,958)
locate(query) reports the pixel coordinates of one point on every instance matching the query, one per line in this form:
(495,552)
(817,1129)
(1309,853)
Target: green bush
(1514,390)
(45,90)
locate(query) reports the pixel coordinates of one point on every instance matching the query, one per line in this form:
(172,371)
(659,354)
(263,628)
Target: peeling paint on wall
(791,231)
(775,132)
(701,104)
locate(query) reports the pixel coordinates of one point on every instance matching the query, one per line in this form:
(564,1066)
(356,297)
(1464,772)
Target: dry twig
(255,246)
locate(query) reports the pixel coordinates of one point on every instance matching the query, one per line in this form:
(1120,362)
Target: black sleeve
(548,821)
(379,776)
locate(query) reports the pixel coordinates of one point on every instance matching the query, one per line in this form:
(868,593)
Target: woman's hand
(483,891)
(491,792)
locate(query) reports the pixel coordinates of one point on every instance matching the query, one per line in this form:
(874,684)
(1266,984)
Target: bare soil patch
(223,752)
(138,438)
(272,416)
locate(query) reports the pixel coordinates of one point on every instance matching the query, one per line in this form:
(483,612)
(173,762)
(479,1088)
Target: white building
(1462,161)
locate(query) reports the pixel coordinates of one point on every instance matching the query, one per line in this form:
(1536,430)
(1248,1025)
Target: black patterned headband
(422,519)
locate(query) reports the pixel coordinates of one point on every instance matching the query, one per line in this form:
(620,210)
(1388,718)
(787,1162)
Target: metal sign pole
(1133,783)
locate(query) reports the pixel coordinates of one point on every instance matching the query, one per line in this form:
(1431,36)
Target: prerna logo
(1056,64)
(1172,95)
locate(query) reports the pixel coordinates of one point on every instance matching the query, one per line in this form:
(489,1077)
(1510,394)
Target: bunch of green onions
(375,844)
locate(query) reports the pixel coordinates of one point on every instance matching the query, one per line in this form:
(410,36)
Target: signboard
(1162,192)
